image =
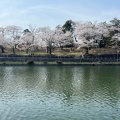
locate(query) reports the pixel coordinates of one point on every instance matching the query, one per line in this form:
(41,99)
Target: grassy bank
(58,63)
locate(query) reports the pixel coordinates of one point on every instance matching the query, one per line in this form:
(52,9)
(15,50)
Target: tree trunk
(87,50)
(2,50)
(27,50)
(61,47)
(13,49)
(15,46)
(50,50)
(47,49)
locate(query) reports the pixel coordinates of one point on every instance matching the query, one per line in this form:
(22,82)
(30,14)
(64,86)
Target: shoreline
(60,64)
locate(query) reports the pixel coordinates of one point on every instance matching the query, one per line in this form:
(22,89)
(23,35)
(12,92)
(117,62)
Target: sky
(51,13)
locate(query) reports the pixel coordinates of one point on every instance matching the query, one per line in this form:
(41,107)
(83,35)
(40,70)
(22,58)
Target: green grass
(54,53)
(65,52)
(63,63)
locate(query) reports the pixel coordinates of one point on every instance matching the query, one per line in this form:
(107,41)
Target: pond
(60,93)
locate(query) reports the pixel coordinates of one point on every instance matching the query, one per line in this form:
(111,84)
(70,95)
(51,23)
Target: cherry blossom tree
(13,36)
(87,35)
(46,35)
(62,38)
(115,40)
(29,38)
(32,33)
(26,42)
(3,40)
(102,34)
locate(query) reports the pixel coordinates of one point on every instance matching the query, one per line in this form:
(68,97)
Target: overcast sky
(55,12)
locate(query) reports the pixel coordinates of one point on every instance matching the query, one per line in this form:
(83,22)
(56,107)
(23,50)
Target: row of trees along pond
(73,33)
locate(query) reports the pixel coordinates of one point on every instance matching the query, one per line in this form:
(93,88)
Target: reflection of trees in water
(10,79)
(2,77)
(13,81)
(59,79)
(20,79)
(35,78)
(27,76)
(82,80)
(86,83)
(30,76)
(109,82)
(102,83)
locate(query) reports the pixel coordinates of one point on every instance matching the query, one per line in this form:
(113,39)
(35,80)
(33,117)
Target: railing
(63,59)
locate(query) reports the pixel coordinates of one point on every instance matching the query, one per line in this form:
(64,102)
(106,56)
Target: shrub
(4,63)
(59,62)
(30,62)
(45,62)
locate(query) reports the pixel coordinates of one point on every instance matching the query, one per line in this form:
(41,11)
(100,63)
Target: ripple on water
(59,93)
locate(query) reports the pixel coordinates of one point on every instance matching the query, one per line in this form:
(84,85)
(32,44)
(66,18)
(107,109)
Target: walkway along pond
(109,59)
(97,58)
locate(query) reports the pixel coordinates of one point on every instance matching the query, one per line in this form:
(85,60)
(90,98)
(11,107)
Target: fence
(98,58)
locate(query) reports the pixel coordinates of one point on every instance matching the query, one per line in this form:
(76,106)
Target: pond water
(60,93)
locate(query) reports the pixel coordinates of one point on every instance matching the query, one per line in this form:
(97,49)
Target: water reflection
(69,81)
(64,80)
(60,81)
(90,88)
